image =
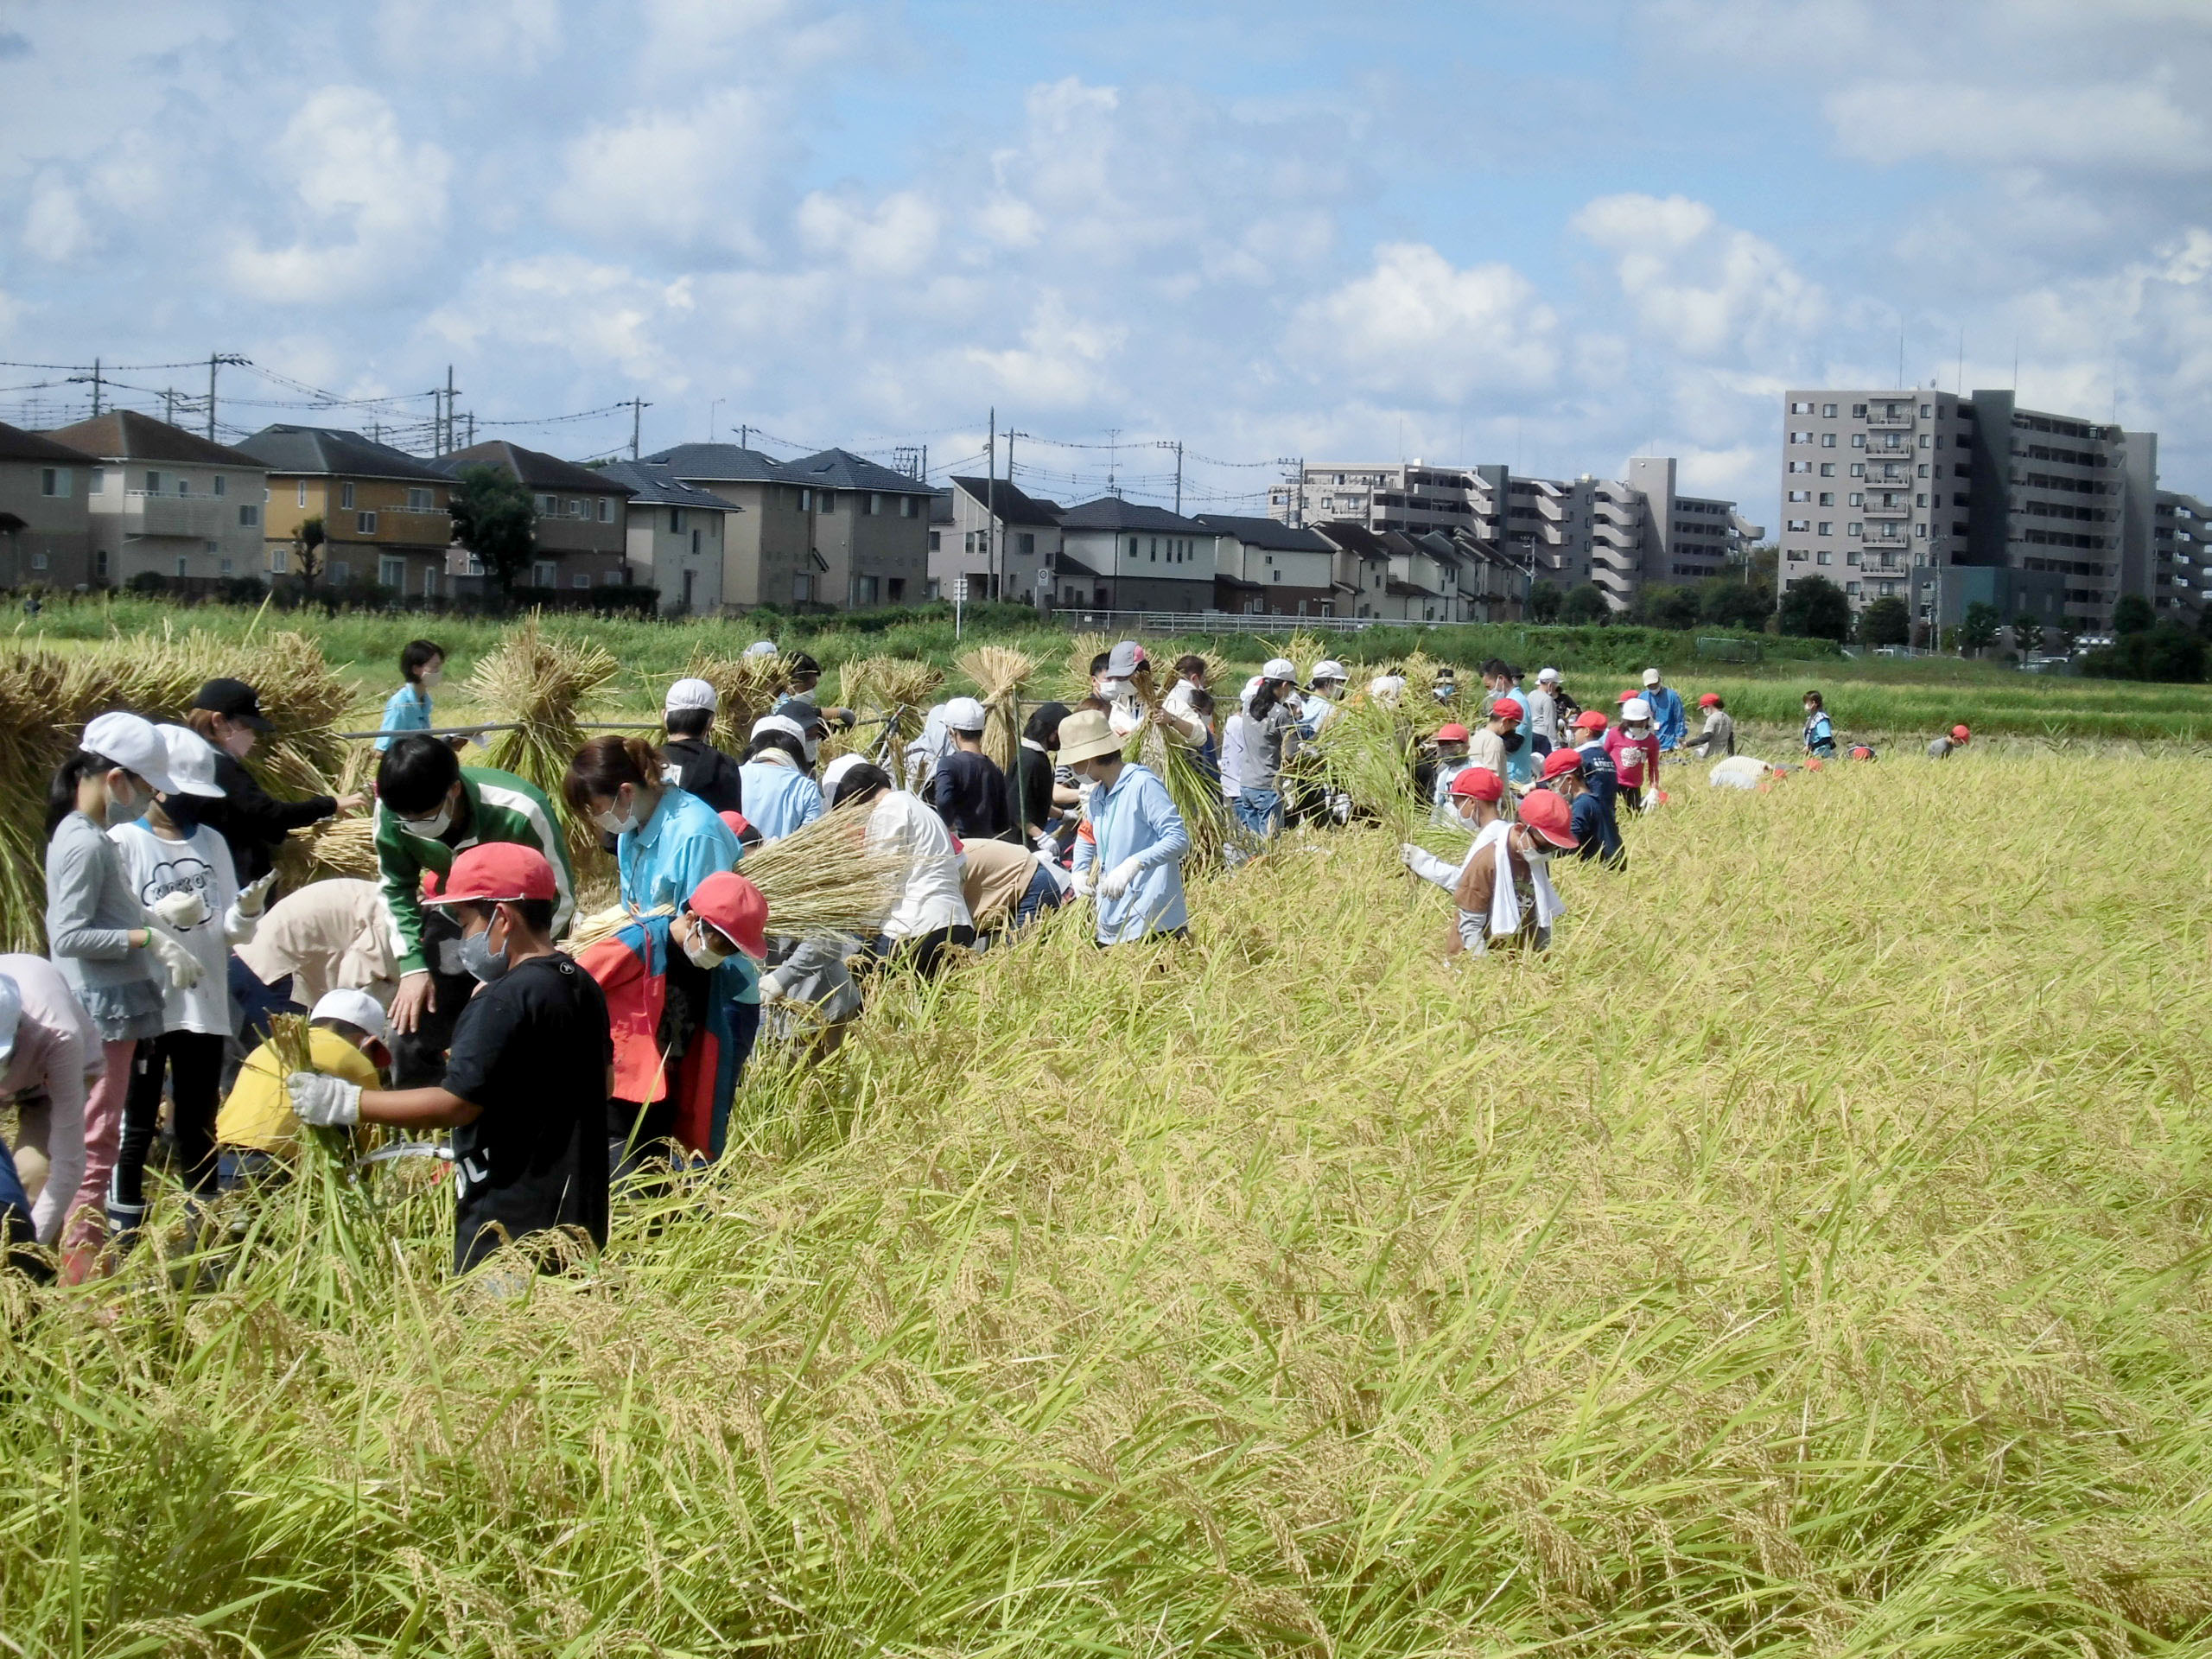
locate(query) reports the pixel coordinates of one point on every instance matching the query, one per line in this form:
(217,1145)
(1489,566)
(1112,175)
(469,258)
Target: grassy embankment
(1805,1258)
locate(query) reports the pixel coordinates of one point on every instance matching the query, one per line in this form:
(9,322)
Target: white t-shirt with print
(199,863)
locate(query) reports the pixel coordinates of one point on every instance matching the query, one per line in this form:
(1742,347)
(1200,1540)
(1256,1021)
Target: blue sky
(1553,235)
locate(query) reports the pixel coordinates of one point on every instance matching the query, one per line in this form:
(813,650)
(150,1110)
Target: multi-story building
(1122,556)
(382,511)
(584,520)
(767,528)
(676,533)
(871,530)
(46,534)
(1005,542)
(2182,556)
(168,502)
(1889,494)
(1263,566)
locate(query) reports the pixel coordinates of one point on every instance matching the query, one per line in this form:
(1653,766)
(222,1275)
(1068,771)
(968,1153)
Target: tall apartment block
(1621,534)
(1944,501)
(2181,556)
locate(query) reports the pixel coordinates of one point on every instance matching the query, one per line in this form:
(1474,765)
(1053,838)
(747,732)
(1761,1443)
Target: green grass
(1805,1258)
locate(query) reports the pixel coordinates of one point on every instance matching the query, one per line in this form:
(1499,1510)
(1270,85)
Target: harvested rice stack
(998,674)
(1083,649)
(901,687)
(747,688)
(1366,751)
(1196,791)
(338,845)
(545,686)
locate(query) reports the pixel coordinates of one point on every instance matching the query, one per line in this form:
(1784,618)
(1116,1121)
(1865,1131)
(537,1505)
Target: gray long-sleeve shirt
(91,909)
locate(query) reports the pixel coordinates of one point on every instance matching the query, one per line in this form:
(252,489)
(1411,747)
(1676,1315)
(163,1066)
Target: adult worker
(1191,672)
(1123,685)
(930,918)
(1819,730)
(252,823)
(430,809)
(328,935)
(1543,727)
(780,796)
(688,713)
(667,841)
(1271,737)
(1328,680)
(1957,738)
(50,1057)
(804,679)
(1046,801)
(1668,719)
(1716,738)
(970,791)
(1131,861)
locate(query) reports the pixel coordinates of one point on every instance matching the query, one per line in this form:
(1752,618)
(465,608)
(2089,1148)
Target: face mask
(182,810)
(432,678)
(616,822)
(1513,743)
(812,746)
(1112,690)
(125,808)
(479,959)
(429,829)
(240,743)
(701,954)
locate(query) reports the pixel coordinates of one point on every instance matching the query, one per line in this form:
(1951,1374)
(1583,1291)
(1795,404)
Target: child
(1634,751)
(1717,741)
(970,791)
(532,1069)
(180,869)
(257,1134)
(49,1061)
(701,769)
(423,665)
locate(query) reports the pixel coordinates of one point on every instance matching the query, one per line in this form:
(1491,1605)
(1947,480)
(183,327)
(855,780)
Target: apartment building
(2181,556)
(1005,542)
(1122,556)
(871,530)
(675,537)
(168,502)
(1265,568)
(45,534)
(767,525)
(383,511)
(583,520)
(1889,494)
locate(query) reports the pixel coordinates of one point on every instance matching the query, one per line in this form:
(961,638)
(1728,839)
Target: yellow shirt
(259,1113)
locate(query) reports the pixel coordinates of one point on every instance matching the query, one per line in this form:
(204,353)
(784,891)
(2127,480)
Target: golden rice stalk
(823,882)
(1366,751)
(1083,651)
(342,845)
(901,687)
(587,930)
(543,686)
(290,1042)
(998,673)
(747,687)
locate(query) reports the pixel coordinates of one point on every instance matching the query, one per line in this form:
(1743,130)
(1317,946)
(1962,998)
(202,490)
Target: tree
(2131,613)
(1978,627)
(2166,651)
(1886,622)
(1586,603)
(1544,602)
(1814,608)
(307,551)
(2027,634)
(1669,608)
(494,518)
(1727,603)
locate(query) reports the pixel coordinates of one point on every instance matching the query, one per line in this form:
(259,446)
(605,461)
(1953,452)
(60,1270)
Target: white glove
(183,967)
(1046,843)
(1412,855)
(253,899)
(183,909)
(1086,882)
(771,988)
(1117,880)
(323,1102)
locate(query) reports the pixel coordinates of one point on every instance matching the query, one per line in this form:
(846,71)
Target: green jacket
(501,807)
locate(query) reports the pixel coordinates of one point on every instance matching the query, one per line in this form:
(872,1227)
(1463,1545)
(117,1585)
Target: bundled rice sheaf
(892,695)
(998,673)
(746,688)
(343,846)
(1366,751)
(1083,651)
(542,687)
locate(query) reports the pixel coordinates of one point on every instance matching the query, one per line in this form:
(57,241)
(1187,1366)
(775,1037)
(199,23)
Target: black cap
(234,700)
(803,664)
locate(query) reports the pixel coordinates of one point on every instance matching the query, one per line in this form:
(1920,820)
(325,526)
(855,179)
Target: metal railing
(1139,622)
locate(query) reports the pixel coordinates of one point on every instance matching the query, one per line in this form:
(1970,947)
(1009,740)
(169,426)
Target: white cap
(1385,688)
(192,763)
(1279,668)
(761,648)
(783,723)
(1251,690)
(1329,669)
(356,1008)
(965,715)
(11,1015)
(691,694)
(130,742)
(1546,676)
(834,773)
(1651,676)
(1634,709)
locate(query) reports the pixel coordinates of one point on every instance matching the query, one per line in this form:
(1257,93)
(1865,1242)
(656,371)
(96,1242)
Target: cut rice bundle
(543,686)
(998,673)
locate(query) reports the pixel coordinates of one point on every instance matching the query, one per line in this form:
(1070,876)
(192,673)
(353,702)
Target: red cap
(1505,708)
(1960,734)
(1860,752)
(736,822)
(1481,783)
(1633,691)
(1590,720)
(495,872)
(733,907)
(1549,816)
(1561,760)
(1455,733)
(1710,700)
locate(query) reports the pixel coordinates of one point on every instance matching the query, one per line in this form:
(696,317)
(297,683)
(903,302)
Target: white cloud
(894,239)
(690,178)
(1697,287)
(370,200)
(55,228)
(2136,127)
(1061,361)
(585,313)
(1417,326)
(514,35)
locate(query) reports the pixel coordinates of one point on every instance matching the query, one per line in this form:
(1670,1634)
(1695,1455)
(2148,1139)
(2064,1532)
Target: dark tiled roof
(1354,538)
(1269,533)
(840,469)
(16,444)
(659,486)
(1112,513)
(327,451)
(1066,563)
(720,463)
(125,434)
(998,497)
(533,467)
(1398,589)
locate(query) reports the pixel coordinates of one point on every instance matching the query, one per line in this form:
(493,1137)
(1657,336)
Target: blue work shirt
(664,860)
(1136,819)
(407,710)
(777,799)
(1669,722)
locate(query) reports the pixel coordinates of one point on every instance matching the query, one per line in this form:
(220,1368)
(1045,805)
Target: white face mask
(1112,690)
(431,827)
(617,821)
(124,807)
(702,955)
(432,678)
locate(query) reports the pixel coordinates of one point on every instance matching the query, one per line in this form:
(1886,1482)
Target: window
(248,517)
(1919,532)
(1828,411)
(1827,498)
(1855,528)
(153,483)
(1859,470)
(1924,440)
(825,502)
(675,521)
(1852,588)
(341,572)
(279,561)
(184,486)
(182,568)
(1824,557)
(38,563)
(1801,495)
(803,583)
(935,544)
(574,507)
(99,563)
(581,579)
(303,488)
(543,506)
(54,480)
(906,509)
(1926,409)
(1828,527)
(606,510)
(430,581)
(1827,440)
(1795,409)
(365,524)
(1024,543)
(1853,557)
(346,495)
(1800,437)
(218,485)
(541,573)
(1155,550)
(392,573)
(1920,500)
(864,590)
(1859,411)
(98,486)
(1923,469)
(1799,526)
(614,578)
(1800,466)
(898,584)
(806,501)
(420,500)
(1858,498)
(694,542)
(1133,547)
(1827,469)
(874,503)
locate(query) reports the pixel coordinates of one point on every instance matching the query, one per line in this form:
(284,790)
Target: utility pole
(446,443)
(713,405)
(1113,463)
(1179,477)
(215,358)
(169,406)
(96,388)
(472,428)
(991,503)
(744,437)
(638,408)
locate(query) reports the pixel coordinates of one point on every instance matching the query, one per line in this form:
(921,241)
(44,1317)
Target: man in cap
(1716,739)
(1942,747)
(1669,721)
(1131,855)
(970,790)
(526,1086)
(1543,710)
(256,1133)
(701,769)
(780,796)
(1124,686)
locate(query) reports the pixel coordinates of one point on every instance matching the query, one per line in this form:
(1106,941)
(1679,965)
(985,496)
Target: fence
(1729,648)
(1136,622)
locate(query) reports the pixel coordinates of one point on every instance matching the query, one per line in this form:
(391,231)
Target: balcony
(1901,511)
(1878,421)
(204,517)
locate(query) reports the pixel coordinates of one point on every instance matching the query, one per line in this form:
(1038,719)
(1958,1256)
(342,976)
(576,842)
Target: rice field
(1805,1257)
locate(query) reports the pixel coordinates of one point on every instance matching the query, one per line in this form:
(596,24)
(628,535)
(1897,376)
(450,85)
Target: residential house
(583,518)
(1005,542)
(870,530)
(383,511)
(1120,555)
(1265,568)
(767,523)
(676,533)
(168,502)
(46,534)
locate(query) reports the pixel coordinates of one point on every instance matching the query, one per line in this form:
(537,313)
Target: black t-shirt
(969,795)
(706,771)
(532,1050)
(1035,769)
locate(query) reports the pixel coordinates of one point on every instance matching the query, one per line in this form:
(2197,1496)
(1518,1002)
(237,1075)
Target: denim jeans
(1260,810)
